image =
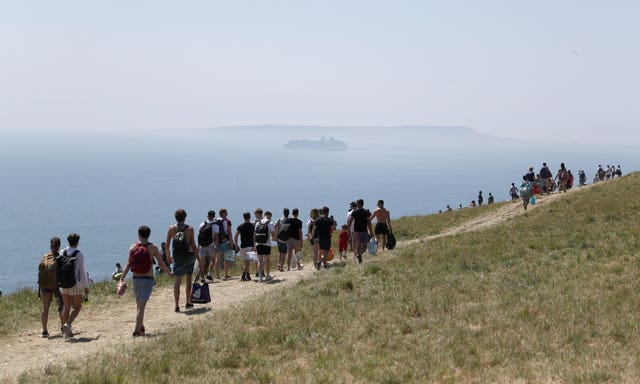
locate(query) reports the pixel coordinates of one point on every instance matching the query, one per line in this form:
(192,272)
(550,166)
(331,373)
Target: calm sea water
(104,188)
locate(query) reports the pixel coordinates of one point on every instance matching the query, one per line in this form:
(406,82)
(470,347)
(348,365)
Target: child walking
(343,242)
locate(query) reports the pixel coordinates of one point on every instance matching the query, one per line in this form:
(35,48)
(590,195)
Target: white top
(272,228)
(349,218)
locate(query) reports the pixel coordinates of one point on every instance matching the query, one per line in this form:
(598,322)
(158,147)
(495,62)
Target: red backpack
(140,259)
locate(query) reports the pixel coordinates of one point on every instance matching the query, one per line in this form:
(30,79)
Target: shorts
(222,249)
(363,237)
(207,251)
(293,244)
(142,287)
(282,247)
(230,255)
(184,267)
(244,253)
(73,291)
(263,249)
(381,229)
(324,243)
(56,293)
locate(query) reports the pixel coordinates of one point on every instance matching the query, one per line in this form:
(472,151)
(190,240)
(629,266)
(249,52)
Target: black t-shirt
(323,227)
(246,234)
(360,217)
(295,225)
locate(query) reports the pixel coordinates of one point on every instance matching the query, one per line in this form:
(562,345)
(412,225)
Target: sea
(104,186)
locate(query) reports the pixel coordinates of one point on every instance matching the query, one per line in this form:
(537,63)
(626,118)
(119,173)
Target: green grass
(412,227)
(550,296)
(20,310)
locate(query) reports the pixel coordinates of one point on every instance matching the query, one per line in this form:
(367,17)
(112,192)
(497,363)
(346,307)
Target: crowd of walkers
(544,182)
(211,248)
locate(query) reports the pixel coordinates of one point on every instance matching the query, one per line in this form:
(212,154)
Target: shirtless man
(181,248)
(383,224)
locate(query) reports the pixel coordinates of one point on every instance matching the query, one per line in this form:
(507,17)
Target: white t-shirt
(349,218)
(272,228)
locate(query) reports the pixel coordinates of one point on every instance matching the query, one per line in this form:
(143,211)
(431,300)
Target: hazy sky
(563,69)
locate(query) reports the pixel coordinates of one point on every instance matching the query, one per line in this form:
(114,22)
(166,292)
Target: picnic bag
(391,241)
(200,293)
(372,247)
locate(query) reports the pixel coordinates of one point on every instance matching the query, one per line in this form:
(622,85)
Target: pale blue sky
(554,69)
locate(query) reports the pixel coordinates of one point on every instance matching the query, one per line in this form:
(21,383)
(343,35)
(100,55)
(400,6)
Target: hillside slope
(549,295)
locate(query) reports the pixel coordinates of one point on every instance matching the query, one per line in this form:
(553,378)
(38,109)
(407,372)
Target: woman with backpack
(72,280)
(48,285)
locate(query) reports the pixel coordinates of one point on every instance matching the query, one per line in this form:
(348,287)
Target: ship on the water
(323,144)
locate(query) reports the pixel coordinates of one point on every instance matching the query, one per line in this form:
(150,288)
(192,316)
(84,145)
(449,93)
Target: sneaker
(68,332)
(268,278)
(209,277)
(45,334)
(261,280)
(248,277)
(243,278)
(359,258)
(189,305)
(318,266)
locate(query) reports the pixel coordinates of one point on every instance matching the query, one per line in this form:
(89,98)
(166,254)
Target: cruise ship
(317,145)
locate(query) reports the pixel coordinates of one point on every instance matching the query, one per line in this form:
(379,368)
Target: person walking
(322,231)
(282,237)
(314,214)
(224,243)
(294,244)
(245,232)
(547,178)
(383,224)
(206,246)
(362,227)
(264,233)
(140,262)
(48,285)
(180,239)
(72,296)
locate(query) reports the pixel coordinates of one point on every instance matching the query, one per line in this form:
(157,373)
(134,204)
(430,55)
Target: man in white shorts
(245,231)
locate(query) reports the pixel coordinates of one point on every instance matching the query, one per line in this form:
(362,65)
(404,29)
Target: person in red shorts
(343,242)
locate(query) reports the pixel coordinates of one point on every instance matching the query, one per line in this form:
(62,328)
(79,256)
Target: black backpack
(180,243)
(262,232)
(284,230)
(205,235)
(391,241)
(66,269)
(223,236)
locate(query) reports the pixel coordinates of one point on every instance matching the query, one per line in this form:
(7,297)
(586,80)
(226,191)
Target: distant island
(317,145)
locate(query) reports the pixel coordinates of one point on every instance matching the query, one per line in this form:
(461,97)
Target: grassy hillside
(549,296)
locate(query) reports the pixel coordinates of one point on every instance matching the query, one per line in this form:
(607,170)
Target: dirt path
(106,328)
